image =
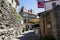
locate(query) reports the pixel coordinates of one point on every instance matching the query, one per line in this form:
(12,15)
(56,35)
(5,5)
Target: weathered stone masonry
(9,23)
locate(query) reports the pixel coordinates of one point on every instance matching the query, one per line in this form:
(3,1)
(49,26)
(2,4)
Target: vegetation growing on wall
(18,16)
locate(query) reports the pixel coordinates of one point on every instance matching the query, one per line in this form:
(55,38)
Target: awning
(36,25)
(34,20)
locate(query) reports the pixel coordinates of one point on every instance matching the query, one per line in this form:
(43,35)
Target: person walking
(37,33)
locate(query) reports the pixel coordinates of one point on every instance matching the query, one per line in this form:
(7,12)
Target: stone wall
(9,21)
(57,16)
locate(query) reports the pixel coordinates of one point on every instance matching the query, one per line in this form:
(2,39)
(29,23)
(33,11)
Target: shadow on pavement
(28,36)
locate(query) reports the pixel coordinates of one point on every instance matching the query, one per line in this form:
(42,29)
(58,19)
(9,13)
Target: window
(54,5)
(24,20)
(25,14)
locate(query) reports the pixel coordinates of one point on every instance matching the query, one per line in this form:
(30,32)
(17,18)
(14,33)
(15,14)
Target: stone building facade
(50,23)
(51,4)
(27,15)
(10,22)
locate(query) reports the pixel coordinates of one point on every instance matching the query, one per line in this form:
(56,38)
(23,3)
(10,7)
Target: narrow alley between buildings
(28,35)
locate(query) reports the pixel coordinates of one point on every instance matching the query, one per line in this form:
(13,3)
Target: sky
(30,4)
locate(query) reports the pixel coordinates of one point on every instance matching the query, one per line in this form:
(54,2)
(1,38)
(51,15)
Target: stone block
(3,26)
(0,7)
(0,15)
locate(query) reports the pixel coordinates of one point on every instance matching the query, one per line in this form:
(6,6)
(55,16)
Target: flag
(40,4)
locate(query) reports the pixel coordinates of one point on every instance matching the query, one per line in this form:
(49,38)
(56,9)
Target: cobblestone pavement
(28,36)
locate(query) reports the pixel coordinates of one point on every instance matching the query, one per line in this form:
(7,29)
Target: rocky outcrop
(10,22)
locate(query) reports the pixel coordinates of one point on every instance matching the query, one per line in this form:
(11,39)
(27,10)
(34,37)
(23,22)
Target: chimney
(31,11)
(28,11)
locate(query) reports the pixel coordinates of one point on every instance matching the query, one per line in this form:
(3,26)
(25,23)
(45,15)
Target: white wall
(48,5)
(59,1)
(13,4)
(10,1)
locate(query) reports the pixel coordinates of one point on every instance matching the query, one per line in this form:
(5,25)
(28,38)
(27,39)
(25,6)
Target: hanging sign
(40,4)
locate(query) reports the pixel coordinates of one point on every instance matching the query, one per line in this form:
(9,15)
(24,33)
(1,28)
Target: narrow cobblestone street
(28,36)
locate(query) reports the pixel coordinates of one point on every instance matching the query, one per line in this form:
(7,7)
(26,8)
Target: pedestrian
(37,33)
